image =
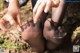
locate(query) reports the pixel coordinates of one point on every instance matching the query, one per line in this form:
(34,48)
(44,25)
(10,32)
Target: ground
(11,42)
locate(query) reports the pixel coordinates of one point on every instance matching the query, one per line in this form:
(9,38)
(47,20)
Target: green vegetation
(6,43)
(1,5)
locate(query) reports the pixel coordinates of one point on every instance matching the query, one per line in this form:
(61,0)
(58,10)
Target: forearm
(57,12)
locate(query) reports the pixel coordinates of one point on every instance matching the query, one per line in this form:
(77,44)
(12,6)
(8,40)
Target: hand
(43,5)
(12,16)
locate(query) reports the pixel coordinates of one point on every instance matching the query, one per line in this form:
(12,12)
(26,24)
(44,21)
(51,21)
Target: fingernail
(56,1)
(35,21)
(12,23)
(19,28)
(45,11)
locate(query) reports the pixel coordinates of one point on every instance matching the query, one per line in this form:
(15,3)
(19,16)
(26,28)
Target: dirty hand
(12,16)
(43,5)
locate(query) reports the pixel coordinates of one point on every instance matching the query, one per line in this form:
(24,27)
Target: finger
(36,6)
(19,28)
(48,5)
(55,3)
(18,22)
(18,19)
(39,11)
(2,22)
(10,19)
